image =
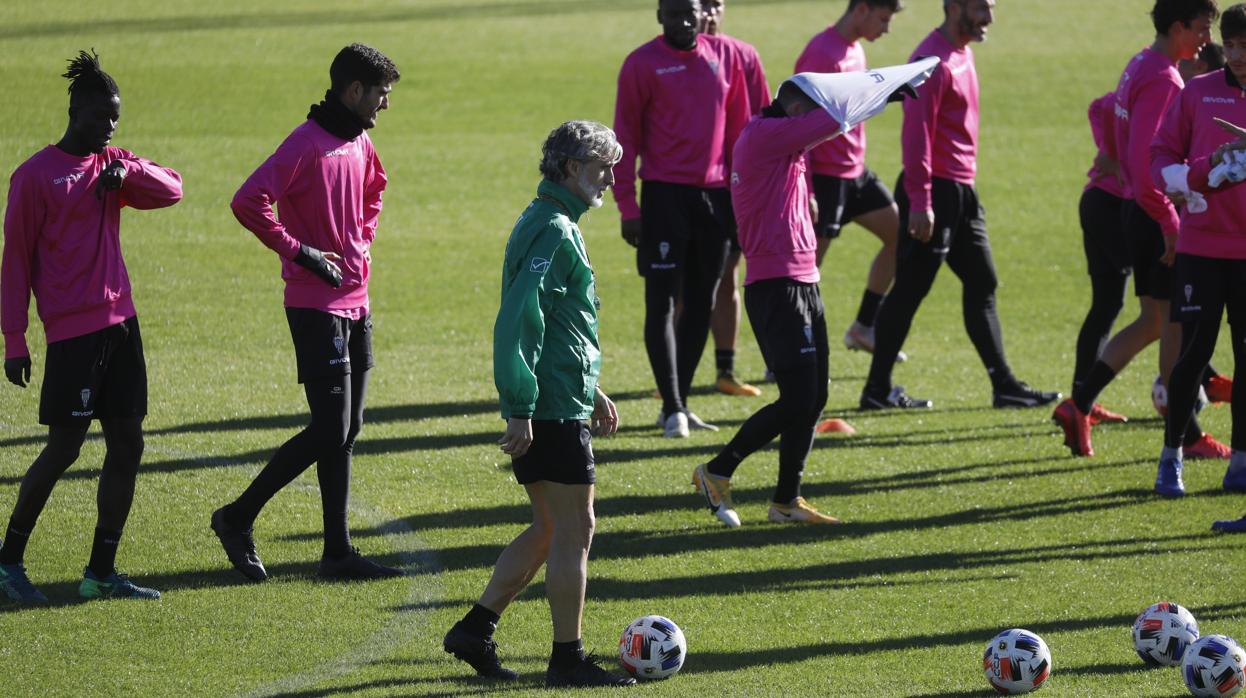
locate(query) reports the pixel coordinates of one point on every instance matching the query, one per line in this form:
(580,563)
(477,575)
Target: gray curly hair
(578,140)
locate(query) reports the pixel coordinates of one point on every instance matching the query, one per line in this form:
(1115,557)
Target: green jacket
(546,357)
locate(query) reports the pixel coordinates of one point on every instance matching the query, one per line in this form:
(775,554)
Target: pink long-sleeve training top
(62,242)
(829,52)
(1188,135)
(939,137)
(1102,122)
(1146,88)
(673,112)
(328,194)
(771,196)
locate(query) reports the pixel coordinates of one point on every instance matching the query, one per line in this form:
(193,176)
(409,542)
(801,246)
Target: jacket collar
(571,204)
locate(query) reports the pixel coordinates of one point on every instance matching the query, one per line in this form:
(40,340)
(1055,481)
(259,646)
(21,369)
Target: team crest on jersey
(664,248)
(339,343)
(86,396)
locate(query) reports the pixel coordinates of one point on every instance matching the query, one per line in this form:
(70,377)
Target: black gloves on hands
(905,90)
(314,261)
(17,371)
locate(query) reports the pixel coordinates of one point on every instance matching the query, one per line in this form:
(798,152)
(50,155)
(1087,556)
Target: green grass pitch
(960,522)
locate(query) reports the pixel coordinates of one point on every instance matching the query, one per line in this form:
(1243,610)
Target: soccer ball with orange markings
(1162,632)
(652,647)
(1016,661)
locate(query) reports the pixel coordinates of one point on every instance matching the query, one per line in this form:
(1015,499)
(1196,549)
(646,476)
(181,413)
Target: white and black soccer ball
(652,647)
(1212,666)
(1016,661)
(1159,397)
(1162,633)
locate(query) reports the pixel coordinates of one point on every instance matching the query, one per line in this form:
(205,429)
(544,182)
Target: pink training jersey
(1102,122)
(328,191)
(940,133)
(830,52)
(673,112)
(1147,86)
(771,196)
(1189,135)
(62,242)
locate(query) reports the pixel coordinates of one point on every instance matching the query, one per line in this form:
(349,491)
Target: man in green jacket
(546,359)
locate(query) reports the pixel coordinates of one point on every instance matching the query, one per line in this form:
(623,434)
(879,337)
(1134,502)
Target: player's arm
(917,136)
(253,207)
(22,219)
(1171,146)
(1145,119)
(143,184)
(629,109)
(519,331)
(373,188)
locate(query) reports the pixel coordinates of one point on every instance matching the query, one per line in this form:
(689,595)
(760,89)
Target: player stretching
(326,180)
(546,359)
(781,289)
(945,221)
(1211,249)
(725,321)
(62,243)
(678,95)
(1147,86)
(845,189)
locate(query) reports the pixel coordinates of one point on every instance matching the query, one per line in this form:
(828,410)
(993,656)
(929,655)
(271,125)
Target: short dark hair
(1166,12)
(86,77)
(1212,54)
(1232,26)
(893,5)
(363,63)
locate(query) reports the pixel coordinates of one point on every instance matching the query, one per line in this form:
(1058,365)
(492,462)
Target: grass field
(960,522)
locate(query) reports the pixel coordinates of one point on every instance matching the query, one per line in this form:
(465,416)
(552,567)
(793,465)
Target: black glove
(17,371)
(313,260)
(905,90)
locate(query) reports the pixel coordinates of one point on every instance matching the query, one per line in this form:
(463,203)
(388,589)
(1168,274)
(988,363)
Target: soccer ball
(652,647)
(1016,661)
(1213,666)
(1159,398)
(1162,632)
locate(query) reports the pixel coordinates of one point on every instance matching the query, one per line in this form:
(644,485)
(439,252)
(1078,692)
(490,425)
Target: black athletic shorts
(1152,278)
(789,322)
(327,345)
(840,201)
(1206,287)
(561,451)
(1103,234)
(101,375)
(682,225)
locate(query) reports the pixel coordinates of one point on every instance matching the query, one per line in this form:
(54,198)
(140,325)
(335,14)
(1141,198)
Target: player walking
(678,96)
(327,181)
(1210,249)
(546,359)
(945,221)
(845,189)
(62,243)
(1147,86)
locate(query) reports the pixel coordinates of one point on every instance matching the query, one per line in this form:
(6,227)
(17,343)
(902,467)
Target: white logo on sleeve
(538,265)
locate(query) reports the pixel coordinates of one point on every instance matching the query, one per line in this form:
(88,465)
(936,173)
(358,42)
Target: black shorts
(789,322)
(1152,278)
(1103,234)
(682,225)
(101,375)
(1206,287)
(561,451)
(840,201)
(328,345)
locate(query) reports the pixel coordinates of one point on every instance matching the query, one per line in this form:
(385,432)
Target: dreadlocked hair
(86,76)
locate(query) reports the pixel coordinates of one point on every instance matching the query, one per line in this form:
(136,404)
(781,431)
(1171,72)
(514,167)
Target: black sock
(14,548)
(724,360)
(480,622)
(1084,396)
(104,552)
(724,464)
(567,654)
(869,308)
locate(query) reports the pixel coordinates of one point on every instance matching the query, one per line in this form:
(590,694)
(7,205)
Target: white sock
(1237,460)
(1170,453)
